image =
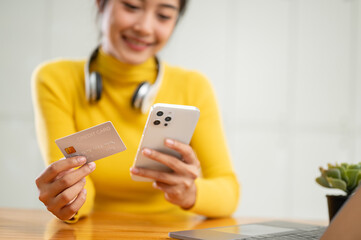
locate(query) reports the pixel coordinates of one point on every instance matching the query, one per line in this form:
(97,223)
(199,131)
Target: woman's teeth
(137,43)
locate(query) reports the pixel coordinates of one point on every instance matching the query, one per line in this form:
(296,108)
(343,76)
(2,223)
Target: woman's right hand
(61,187)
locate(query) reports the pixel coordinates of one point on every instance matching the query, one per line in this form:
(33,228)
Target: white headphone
(143,96)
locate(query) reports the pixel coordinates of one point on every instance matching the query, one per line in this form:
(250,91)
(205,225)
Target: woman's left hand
(178,186)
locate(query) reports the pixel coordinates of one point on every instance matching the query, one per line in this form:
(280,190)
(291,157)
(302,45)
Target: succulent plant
(342,176)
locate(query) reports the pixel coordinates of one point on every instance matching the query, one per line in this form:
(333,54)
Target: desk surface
(40,224)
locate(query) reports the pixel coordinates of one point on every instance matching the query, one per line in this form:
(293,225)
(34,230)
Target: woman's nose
(144,24)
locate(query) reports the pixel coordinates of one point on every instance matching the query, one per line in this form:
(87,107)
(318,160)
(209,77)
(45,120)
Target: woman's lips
(136,44)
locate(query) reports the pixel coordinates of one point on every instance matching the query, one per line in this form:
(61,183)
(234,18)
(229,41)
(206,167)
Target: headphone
(143,96)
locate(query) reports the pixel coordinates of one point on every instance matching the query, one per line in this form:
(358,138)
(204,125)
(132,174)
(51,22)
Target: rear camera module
(168,119)
(156,122)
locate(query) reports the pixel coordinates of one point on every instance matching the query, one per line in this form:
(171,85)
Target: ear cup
(94,87)
(99,86)
(93,80)
(139,94)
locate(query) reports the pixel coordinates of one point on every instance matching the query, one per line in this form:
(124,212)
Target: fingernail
(91,165)
(147,151)
(169,142)
(134,170)
(81,159)
(83,180)
(84,191)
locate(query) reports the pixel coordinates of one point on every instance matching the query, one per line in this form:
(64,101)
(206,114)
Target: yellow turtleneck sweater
(61,109)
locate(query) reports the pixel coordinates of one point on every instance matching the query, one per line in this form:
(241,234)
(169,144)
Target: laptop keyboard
(314,233)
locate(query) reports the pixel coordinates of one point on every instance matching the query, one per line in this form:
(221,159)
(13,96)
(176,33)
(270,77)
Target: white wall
(287,74)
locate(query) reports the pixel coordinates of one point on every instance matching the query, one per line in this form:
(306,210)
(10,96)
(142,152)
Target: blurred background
(287,74)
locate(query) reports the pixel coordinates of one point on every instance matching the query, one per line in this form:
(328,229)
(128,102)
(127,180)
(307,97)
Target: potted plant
(345,177)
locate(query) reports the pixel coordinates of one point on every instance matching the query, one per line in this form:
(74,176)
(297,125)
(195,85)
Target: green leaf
(329,166)
(352,176)
(343,173)
(334,173)
(358,178)
(354,166)
(323,182)
(344,165)
(337,183)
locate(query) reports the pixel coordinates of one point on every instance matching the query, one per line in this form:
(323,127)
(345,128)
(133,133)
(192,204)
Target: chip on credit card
(94,143)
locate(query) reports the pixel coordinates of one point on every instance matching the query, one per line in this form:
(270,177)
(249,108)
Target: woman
(133,31)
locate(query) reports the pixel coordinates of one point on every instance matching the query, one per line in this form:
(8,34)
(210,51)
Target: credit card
(94,143)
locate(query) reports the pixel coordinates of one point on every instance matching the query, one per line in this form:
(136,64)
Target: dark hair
(182,6)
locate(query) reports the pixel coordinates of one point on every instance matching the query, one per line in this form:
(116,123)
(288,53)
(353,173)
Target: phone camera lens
(156,122)
(165,124)
(168,119)
(160,113)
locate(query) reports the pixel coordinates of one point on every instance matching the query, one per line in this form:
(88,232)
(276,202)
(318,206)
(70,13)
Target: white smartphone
(165,121)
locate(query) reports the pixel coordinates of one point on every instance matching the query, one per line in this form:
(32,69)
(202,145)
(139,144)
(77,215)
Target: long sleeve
(218,189)
(53,107)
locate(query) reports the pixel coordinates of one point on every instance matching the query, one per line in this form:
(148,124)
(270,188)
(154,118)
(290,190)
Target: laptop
(264,230)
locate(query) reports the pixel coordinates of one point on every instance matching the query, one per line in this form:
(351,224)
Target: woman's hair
(182,6)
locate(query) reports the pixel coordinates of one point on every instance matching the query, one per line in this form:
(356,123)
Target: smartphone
(165,121)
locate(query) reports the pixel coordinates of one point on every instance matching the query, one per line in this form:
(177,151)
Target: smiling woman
(133,32)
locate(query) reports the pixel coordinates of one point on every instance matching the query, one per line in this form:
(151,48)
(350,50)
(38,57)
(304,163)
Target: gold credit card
(94,143)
